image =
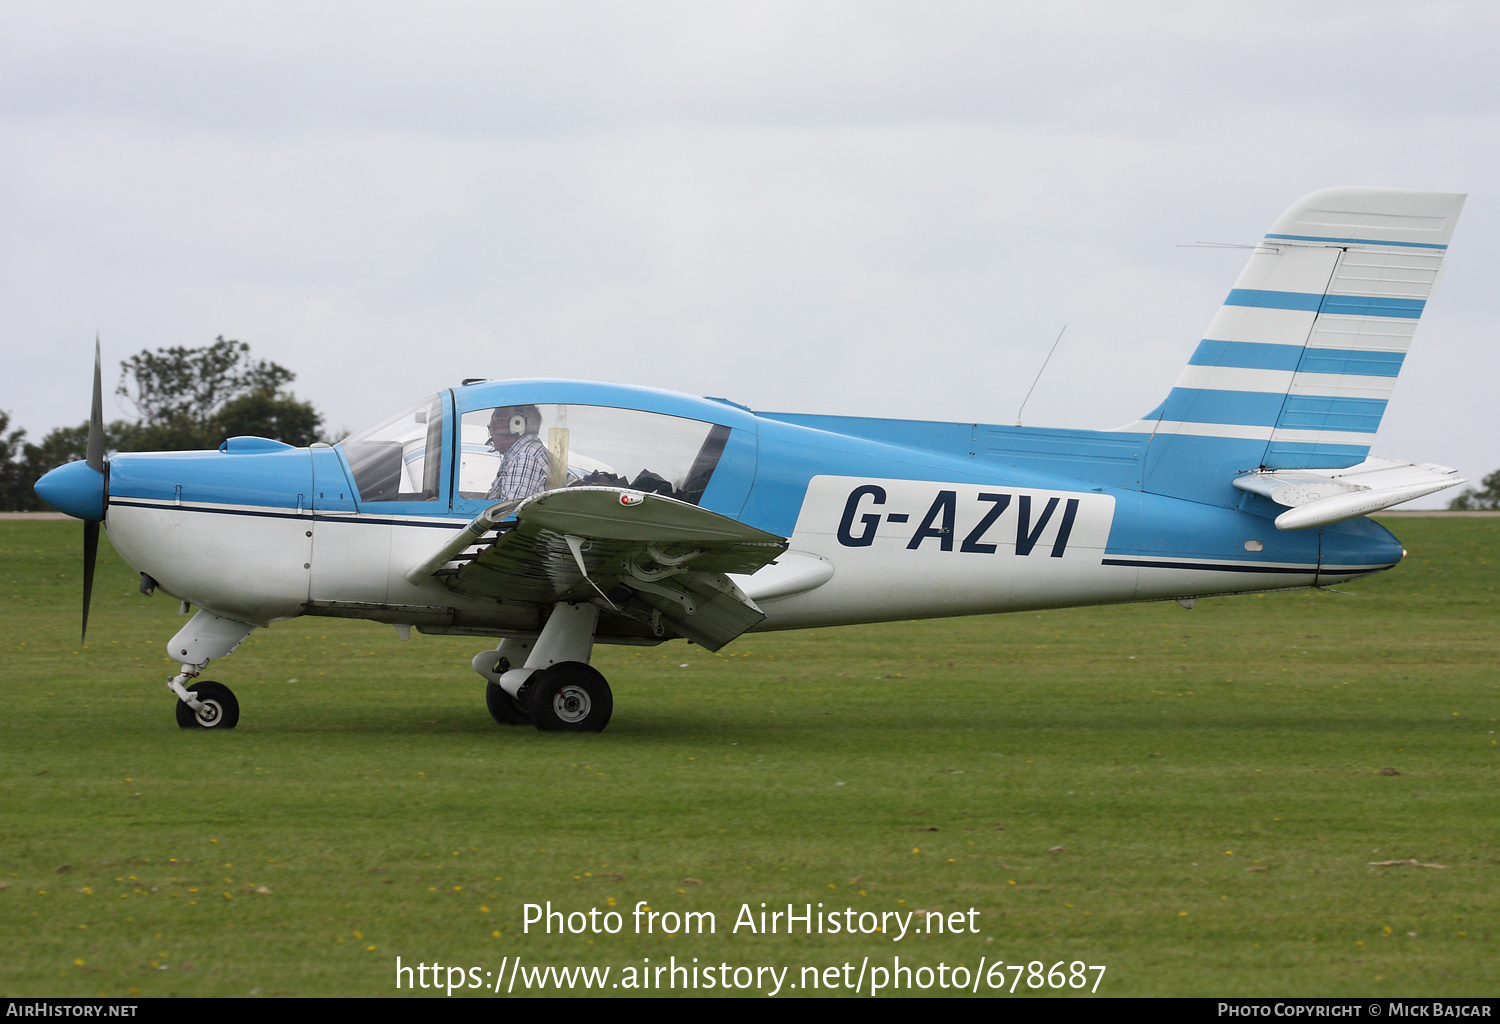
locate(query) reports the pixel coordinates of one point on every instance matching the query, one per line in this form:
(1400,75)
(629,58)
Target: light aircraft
(552,515)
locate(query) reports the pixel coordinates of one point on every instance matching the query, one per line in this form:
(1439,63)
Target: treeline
(184,399)
(1487,498)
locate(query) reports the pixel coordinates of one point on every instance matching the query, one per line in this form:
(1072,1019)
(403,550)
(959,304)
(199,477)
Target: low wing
(652,558)
(1318,497)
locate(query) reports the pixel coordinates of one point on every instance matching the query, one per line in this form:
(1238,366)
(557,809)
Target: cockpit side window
(704,465)
(516,451)
(399,458)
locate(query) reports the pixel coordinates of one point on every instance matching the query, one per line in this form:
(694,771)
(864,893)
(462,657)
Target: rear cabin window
(390,459)
(517,451)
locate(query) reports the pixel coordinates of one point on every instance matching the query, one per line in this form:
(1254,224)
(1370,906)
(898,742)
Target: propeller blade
(95,458)
(95,449)
(90,553)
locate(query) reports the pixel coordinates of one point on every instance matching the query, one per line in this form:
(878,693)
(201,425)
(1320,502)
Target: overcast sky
(866,208)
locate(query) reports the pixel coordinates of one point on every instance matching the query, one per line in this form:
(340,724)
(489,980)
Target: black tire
(504,708)
(222,711)
(569,697)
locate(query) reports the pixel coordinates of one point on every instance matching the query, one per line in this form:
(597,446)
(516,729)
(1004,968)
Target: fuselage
(882,523)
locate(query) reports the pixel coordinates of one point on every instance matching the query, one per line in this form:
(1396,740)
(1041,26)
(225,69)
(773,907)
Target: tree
(15,485)
(1471,500)
(196,397)
(185,399)
(267,414)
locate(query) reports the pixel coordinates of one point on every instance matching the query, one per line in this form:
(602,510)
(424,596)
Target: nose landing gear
(217,707)
(205,704)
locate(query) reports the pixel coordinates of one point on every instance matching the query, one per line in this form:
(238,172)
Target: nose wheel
(220,710)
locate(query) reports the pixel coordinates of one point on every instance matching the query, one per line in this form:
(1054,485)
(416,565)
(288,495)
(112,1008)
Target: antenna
(1039,374)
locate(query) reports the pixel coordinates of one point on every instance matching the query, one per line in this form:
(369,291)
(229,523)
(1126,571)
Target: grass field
(1193,799)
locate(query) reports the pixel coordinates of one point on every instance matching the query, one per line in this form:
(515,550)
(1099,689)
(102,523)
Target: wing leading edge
(651,558)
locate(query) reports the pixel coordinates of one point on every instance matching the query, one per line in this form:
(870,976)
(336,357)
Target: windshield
(390,459)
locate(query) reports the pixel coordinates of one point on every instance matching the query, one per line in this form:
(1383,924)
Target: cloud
(878,208)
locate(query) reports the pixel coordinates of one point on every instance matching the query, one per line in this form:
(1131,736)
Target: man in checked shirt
(523,468)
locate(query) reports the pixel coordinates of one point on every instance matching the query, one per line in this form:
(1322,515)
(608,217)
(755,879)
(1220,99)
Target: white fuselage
(925,549)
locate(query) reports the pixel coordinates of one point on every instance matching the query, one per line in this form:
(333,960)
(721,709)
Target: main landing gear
(505,709)
(555,689)
(570,697)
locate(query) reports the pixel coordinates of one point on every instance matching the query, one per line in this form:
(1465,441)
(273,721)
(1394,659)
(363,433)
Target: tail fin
(1297,366)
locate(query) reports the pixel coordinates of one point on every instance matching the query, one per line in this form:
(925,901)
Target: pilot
(523,469)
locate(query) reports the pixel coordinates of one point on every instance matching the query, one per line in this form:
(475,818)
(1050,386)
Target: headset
(523,419)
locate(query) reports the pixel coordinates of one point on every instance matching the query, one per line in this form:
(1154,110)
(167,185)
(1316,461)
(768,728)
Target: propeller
(79,488)
(94,457)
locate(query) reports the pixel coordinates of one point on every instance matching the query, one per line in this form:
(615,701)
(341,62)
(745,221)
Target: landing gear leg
(558,688)
(205,704)
(504,708)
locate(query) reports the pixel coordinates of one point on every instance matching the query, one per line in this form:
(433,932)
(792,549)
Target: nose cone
(77,489)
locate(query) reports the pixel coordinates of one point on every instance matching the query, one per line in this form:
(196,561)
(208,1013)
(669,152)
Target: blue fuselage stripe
(271,513)
(1359,241)
(1155,563)
(1343,305)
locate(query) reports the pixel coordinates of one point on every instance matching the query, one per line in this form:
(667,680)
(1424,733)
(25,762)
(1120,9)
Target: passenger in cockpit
(514,433)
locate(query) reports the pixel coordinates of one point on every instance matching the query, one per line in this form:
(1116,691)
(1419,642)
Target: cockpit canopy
(590,444)
(516,450)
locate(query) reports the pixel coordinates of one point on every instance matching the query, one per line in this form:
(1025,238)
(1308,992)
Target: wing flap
(646,556)
(708,609)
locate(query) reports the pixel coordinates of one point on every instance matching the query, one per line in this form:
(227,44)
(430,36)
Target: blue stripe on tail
(1342,305)
(1252,355)
(1318,412)
(1245,408)
(1348,360)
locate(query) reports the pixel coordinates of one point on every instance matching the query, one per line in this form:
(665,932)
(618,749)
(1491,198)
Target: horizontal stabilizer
(1318,497)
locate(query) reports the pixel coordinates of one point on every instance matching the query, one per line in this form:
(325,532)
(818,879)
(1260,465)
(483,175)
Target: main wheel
(220,709)
(569,697)
(504,708)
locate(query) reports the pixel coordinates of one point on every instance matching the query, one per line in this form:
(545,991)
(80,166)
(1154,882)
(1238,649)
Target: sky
(869,208)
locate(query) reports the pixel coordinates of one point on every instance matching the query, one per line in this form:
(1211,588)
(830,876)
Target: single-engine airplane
(552,515)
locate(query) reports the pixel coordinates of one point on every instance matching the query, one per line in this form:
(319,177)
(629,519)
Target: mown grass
(1193,799)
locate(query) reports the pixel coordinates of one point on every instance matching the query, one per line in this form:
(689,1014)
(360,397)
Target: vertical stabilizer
(1296,368)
